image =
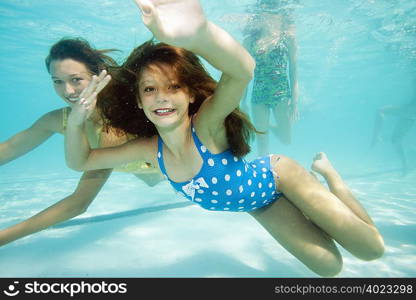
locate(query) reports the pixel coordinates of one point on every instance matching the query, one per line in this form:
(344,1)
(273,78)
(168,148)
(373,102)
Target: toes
(317,156)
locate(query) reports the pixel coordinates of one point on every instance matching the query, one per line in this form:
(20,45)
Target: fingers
(96,85)
(145,6)
(88,97)
(88,104)
(89,89)
(102,82)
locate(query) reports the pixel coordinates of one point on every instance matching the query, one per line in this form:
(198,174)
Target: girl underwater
(71,63)
(189,126)
(270,38)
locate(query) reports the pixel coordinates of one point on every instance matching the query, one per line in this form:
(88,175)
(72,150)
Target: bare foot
(322,165)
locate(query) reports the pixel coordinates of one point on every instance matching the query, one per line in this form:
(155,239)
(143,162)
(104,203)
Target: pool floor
(132,230)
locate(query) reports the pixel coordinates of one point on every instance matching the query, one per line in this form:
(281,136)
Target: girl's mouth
(73,99)
(164,111)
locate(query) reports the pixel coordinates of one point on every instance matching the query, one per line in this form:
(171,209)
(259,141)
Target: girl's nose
(161,97)
(69,90)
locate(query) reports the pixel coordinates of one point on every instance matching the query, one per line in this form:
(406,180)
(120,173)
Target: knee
(328,266)
(375,250)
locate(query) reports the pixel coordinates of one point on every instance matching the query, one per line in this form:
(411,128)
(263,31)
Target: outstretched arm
(28,139)
(75,204)
(182,23)
(245,102)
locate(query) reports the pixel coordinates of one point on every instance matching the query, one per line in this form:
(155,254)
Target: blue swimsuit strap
(204,153)
(160,155)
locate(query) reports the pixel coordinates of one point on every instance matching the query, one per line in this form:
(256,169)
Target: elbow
(79,205)
(77,210)
(246,72)
(250,69)
(246,76)
(80,209)
(75,167)
(75,164)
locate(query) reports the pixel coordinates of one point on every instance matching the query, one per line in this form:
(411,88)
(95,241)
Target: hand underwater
(174,22)
(82,109)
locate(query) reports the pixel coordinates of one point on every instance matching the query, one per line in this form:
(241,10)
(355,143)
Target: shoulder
(53,120)
(212,135)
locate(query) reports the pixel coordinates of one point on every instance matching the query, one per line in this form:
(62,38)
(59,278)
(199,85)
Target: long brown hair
(80,50)
(119,99)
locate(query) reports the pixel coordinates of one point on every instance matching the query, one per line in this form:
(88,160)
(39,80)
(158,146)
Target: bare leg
(261,115)
(327,211)
(337,186)
(298,235)
(392,110)
(283,130)
(401,128)
(378,125)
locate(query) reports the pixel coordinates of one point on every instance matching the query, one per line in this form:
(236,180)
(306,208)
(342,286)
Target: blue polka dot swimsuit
(225,182)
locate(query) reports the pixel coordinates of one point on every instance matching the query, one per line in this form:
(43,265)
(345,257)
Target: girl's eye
(76,79)
(148,89)
(175,86)
(57,81)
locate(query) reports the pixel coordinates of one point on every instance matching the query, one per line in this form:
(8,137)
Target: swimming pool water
(354,56)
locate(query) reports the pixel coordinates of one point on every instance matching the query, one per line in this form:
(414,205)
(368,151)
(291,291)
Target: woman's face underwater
(70,78)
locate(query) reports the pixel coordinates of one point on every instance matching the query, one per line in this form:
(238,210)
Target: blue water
(354,56)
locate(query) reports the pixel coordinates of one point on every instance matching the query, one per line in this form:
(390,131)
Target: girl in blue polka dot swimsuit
(226,182)
(190,126)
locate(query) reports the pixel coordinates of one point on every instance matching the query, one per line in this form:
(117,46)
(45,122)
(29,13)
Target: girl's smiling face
(164,101)
(70,78)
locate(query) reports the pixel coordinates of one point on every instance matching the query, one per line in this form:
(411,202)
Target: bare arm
(81,157)
(27,140)
(75,204)
(245,102)
(237,66)
(182,23)
(78,153)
